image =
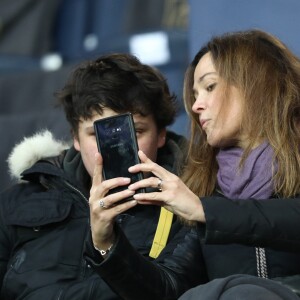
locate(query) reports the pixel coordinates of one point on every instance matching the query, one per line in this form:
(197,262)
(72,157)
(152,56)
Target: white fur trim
(31,149)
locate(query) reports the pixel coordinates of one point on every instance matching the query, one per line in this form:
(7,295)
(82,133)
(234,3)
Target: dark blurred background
(41,41)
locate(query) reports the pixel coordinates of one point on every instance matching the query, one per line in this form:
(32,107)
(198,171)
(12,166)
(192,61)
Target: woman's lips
(203,122)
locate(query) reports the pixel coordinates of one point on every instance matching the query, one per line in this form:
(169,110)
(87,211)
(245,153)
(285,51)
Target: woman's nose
(198,105)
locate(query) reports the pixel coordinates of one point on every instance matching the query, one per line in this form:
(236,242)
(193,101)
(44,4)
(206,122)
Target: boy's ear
(161,138)
(76,143)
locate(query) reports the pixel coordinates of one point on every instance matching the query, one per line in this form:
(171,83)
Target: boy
(45,219)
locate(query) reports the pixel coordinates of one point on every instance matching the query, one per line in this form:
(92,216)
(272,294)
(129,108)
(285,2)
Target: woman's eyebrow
(204,75)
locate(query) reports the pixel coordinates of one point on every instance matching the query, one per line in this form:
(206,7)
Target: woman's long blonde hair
(268,75)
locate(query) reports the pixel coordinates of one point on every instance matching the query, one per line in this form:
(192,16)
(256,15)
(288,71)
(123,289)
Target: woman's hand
(174,195)
(103,209)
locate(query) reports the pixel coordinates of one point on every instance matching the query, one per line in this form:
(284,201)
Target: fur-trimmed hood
(43,145)
(31,149)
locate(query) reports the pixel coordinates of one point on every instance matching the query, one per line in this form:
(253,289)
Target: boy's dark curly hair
(119,82)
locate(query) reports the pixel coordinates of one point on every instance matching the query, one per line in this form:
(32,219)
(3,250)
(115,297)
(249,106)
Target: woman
(242,92)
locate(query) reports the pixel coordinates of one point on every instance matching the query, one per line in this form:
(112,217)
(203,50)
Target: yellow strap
(162,232)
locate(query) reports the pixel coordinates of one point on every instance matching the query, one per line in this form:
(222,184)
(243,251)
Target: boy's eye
(139,131)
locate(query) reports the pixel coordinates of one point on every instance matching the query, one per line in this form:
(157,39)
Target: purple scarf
(253,180)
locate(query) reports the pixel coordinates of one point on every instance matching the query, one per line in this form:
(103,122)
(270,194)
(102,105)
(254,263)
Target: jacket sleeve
(265,223)
(132,276)
(4,248)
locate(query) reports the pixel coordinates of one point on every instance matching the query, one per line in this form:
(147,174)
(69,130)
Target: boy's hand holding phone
(102,217)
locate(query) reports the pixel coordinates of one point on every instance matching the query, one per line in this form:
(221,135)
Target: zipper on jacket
(261,262)
(59,294)
(76,190)
(47,185)
(85,265)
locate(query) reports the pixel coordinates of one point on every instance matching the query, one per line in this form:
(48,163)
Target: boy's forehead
(107,112)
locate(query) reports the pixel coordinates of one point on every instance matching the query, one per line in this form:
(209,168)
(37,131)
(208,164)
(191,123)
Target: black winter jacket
(263,239)
(44,225)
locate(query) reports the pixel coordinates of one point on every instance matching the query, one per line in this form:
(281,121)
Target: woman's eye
(211,87)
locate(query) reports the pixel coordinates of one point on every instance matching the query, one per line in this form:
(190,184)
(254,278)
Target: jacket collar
(43,154)
(32,149)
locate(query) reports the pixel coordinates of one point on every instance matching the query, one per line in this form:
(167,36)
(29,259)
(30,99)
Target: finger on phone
(144,183)
(110,184)
(119,197)
(97,175)
(119,208)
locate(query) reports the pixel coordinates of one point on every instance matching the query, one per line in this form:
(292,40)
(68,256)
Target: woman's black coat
(260,238)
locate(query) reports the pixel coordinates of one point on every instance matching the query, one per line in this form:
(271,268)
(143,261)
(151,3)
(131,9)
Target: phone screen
(117,143)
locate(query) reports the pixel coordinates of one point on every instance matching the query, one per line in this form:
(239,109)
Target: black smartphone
(117,143)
